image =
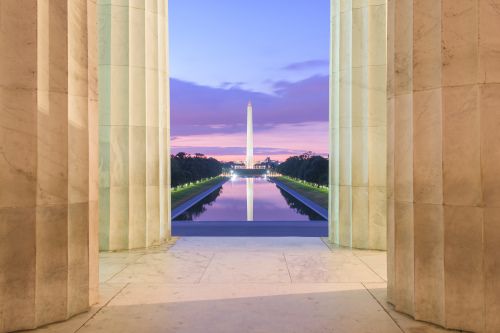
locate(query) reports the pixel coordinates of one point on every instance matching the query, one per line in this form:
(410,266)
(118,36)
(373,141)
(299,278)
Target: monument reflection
(249,182)
(249,199)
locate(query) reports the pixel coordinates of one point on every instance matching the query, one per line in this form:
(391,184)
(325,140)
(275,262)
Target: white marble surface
(358,120)
(443,161)
(48,202)
(240,284)
(133,123)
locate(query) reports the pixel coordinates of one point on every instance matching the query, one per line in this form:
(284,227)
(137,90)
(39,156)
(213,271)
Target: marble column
(48,161)
(443,161)
(358,130)
(134,180)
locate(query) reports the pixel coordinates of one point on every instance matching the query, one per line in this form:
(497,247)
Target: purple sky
(272,52)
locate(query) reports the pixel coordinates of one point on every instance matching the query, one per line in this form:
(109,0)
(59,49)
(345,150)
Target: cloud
(198,109)
(218,126)
(279,141)
(232,85)
(240,151)
(212,120)
(307,65)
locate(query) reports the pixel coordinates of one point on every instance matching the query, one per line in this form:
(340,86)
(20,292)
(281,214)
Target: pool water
(249,199)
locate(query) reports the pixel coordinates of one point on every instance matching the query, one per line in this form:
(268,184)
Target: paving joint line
(206,268)
(383,308)
(124,268)
(102,307)
(369,267)
(168,245)
(287,268)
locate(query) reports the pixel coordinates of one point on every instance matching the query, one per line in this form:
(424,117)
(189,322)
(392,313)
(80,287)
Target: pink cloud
(278,141)
(200,109)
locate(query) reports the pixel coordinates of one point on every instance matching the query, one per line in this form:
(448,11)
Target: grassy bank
(315,194)
(180,196)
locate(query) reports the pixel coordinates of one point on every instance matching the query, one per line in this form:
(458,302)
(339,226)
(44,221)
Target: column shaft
(358,124)
(134,135)
(48,185)
(443,97)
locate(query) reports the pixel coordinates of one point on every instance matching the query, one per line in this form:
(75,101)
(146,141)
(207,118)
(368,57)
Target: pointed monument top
(249,103)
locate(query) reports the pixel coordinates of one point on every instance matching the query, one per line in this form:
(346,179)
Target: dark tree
(186,168)
(309,167)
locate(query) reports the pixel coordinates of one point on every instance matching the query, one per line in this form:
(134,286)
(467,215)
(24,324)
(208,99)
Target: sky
(274,53)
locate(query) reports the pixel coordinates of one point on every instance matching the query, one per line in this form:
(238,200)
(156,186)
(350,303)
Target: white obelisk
(249,161)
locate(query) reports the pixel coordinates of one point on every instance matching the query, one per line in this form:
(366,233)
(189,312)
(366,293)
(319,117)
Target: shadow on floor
(212,310)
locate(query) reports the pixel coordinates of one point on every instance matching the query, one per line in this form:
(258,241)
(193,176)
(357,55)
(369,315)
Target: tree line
(187,168)
(308,167)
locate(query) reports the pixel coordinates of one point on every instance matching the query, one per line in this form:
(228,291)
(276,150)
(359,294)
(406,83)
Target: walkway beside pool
(243,284)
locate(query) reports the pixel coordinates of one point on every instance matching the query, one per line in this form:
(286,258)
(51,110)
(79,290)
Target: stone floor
(220,285)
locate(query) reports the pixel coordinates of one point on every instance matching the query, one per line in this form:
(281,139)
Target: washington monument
(249,161)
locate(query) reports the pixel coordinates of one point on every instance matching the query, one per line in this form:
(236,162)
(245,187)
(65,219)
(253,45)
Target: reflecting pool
(249,199)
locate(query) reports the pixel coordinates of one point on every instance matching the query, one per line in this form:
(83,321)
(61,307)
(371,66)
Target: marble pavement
(243,284)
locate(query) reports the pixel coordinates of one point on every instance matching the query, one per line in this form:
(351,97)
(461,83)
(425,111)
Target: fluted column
(133,125)
(443,161)
(358,124)
(48,173)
